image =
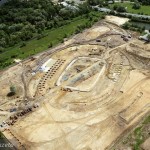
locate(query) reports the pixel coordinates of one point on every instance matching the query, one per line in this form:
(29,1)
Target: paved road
(108,10)
(137,15)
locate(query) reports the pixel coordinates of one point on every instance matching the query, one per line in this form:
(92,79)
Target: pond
(141,24)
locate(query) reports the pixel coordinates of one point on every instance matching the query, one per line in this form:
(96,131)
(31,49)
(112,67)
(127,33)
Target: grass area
(139,135)
(136,137)
(147,120)
(35,46)
(143,9)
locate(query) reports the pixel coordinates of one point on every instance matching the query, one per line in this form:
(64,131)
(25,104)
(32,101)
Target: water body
(141,24)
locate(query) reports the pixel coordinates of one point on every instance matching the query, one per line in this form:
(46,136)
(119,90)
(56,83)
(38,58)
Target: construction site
(84,94)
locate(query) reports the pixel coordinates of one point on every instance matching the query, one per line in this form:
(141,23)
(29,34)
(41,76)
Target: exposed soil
(46,115)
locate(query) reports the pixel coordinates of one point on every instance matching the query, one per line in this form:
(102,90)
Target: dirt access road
(51,116)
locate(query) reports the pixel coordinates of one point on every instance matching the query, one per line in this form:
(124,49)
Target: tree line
(144,2)
(22,20)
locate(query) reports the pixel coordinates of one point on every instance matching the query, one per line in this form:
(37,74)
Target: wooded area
(23,20)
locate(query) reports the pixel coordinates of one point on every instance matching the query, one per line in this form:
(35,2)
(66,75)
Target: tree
(22,20)
(50,45)
(115,7)
(12,91)
(144,2)
(84,8)
(65,13)
(23,44)
(148,37)
(65,35)
(72,3)
(136,6)
(126,25)
(121,9)
(1,135)
(2,42)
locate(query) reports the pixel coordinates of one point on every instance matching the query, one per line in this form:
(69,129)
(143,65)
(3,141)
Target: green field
(35,46)
(141,133)
(143,9)
(137,136)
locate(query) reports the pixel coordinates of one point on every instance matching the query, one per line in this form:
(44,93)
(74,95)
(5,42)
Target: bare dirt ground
(44,115)
(138,138)
(117,20)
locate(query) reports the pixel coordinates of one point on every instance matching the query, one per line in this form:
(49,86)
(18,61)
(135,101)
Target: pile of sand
(117,20)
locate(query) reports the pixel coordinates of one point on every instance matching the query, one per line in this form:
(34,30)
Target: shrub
(148,37)
(12,91)
(50,45)
(14,56)
(136,6)
(115,7)
(1,49)
(121,9)
(40,36)
(23,44)
(65,36)
(95,20)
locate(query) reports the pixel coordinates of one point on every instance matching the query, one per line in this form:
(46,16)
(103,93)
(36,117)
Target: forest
(23,20)
(145,2)
(30,27)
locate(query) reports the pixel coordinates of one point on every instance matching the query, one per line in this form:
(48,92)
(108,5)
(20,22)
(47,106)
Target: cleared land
(117,20)
(43,114)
